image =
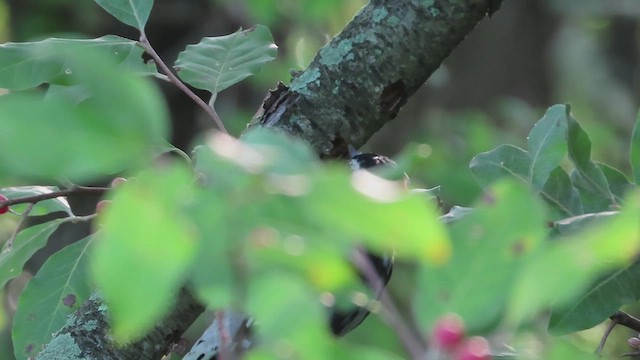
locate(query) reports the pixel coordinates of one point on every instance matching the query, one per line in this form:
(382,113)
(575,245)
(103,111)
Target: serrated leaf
(487,254)
(587,176)
(58,289)
(29,64)
(144,249)
(634,153)
(131,12)
(28,241)
(503,161)
(547,144)
(42,207)
(561,194)
(603,299)
(216,63)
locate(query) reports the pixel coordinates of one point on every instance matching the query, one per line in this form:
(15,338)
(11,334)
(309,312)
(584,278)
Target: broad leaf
(131,12)
(488,252)
(144,249)
(587,176)
(42,207)
(561,194)
(216,63)
(566,267)
(634,153)
(29,64)
(57,290)
(28,241)
(604,297)
(547,143)
(124,114)
(619,185)
(503,161)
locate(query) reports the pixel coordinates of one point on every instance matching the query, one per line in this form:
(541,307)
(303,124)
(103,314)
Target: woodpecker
(343,321)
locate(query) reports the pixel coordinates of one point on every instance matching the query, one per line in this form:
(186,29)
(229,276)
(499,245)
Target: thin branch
(624,319)
(411,341)
(146,45)
(605,336)
(23,221)
(52,195)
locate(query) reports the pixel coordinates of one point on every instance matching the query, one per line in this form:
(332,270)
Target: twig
(411,341)
(146,45)
(605,336)
(624,319)
(23,220)
(52,195)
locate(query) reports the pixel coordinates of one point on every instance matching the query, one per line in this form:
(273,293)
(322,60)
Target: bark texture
(86,335)
(359,81)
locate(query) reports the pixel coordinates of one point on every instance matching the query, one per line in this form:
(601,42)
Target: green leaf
(547,143)
(29,64)
(28,241)
(284,154)
(490,246)
(216,63)
(587,177)
(634,153)
(576,224)
(380,213)
(42,207)
(144,249)
(505,160)
(561,194)
(603,299)
(131,12)
(114,129)
(565,268)
(619,185)
(57,290)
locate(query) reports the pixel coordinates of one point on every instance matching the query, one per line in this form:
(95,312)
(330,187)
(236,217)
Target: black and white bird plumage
(343,321)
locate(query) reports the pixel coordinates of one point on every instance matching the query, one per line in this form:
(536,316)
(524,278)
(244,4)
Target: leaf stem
(146,45)
(412,341)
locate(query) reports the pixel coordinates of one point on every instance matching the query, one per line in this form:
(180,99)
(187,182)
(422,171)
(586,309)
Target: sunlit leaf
(131,12)
(216,63)
(144,249)
(547,143)
(57,290)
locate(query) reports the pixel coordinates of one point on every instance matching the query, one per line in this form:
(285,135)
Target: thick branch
(86,335)
(361,79)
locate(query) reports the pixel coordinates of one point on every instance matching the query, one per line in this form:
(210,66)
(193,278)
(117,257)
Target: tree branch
(359,81)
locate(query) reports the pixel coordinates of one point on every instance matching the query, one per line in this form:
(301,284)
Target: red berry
(448,332)
(475,348)
(101,205)
(3,209)
(117,181)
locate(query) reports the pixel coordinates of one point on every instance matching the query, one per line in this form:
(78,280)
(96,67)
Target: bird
(341,321)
